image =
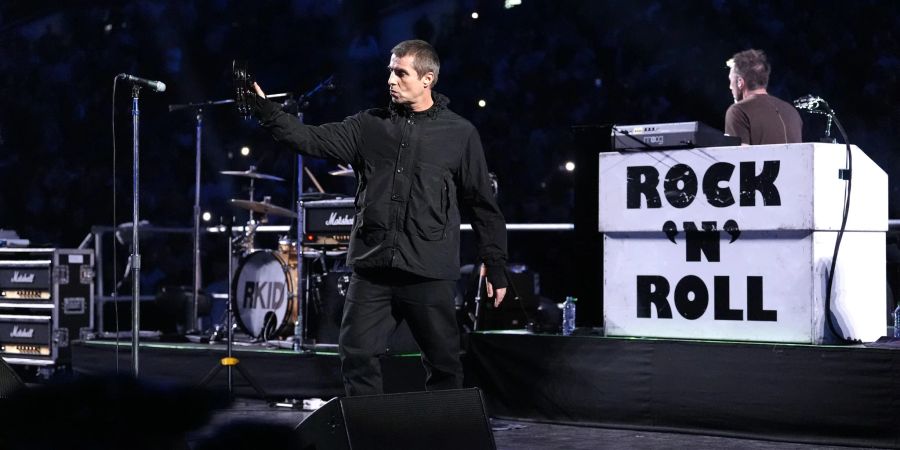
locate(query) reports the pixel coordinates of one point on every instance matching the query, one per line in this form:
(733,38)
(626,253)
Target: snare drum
(264,295)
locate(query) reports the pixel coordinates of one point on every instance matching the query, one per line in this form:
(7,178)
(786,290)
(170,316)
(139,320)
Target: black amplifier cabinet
(328,222)
(46,301)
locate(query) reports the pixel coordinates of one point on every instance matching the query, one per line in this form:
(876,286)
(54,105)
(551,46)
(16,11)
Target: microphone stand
(198,148)
(300,324)
(135,253)
(196,236)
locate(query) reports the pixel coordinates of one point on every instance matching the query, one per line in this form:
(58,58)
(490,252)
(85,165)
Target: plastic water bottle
(897,321)
(568,322)
(297,344)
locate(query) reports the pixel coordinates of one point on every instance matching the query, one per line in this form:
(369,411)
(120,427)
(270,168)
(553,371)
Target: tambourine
(243,87)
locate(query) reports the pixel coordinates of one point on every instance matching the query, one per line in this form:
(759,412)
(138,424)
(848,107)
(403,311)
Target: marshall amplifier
(46,300)
(328,222)
(27,336)
(26,281)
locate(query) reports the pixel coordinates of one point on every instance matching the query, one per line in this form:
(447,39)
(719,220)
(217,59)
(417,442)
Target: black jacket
(415,172)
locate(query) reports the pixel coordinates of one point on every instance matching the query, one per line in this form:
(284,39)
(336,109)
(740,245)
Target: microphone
(810,103)
(156,86)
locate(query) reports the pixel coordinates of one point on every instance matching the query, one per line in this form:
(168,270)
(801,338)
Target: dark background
(541,67)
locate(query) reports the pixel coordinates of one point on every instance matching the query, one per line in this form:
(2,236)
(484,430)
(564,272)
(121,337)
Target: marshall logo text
(21,332)
(335,220)
(22,277)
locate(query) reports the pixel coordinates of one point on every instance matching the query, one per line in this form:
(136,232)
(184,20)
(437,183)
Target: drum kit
(266,290)
(264,298)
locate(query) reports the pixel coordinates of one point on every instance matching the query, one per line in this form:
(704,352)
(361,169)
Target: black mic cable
(783,125)
(817,105)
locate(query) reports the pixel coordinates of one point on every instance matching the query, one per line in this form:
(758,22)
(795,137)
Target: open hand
(497,294)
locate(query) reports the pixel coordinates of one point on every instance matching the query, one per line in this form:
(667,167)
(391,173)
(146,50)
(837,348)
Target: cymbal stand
(195,236)
(252,191)
(229,362)
(198,145)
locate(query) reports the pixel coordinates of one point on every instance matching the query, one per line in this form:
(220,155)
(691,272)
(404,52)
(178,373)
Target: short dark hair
(753,66)
(425,57)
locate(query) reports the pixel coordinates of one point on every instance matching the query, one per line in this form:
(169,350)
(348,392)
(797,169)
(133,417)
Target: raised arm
(338,140)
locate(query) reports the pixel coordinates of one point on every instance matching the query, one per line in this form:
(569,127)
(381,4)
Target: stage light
(482,103)
(475,15)
(570,166)
(207,216)
(245,150)
(509,4)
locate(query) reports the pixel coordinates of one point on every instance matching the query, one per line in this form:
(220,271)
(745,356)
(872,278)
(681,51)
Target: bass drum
(264,295)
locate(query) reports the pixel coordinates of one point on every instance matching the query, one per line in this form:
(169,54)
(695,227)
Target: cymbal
(251,173)
(263,208)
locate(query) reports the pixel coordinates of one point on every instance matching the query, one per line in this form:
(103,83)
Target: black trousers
(377,301)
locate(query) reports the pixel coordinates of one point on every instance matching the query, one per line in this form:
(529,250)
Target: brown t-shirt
(763,119)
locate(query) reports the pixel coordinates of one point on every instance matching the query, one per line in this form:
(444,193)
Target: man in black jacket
(417,164)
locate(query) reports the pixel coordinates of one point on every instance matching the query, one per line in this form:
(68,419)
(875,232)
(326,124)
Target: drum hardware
(264,207)
(197,108)
(246,241)
(251,173)
(241,78)
(251,204)
(229,362)
(287,247)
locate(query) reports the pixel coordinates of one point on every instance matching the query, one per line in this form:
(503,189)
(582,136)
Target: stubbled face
(735,83)
(406,86)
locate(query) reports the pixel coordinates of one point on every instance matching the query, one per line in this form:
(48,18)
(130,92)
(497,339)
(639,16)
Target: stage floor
(548,391)
(515,435)
(824,395)
(280,372)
